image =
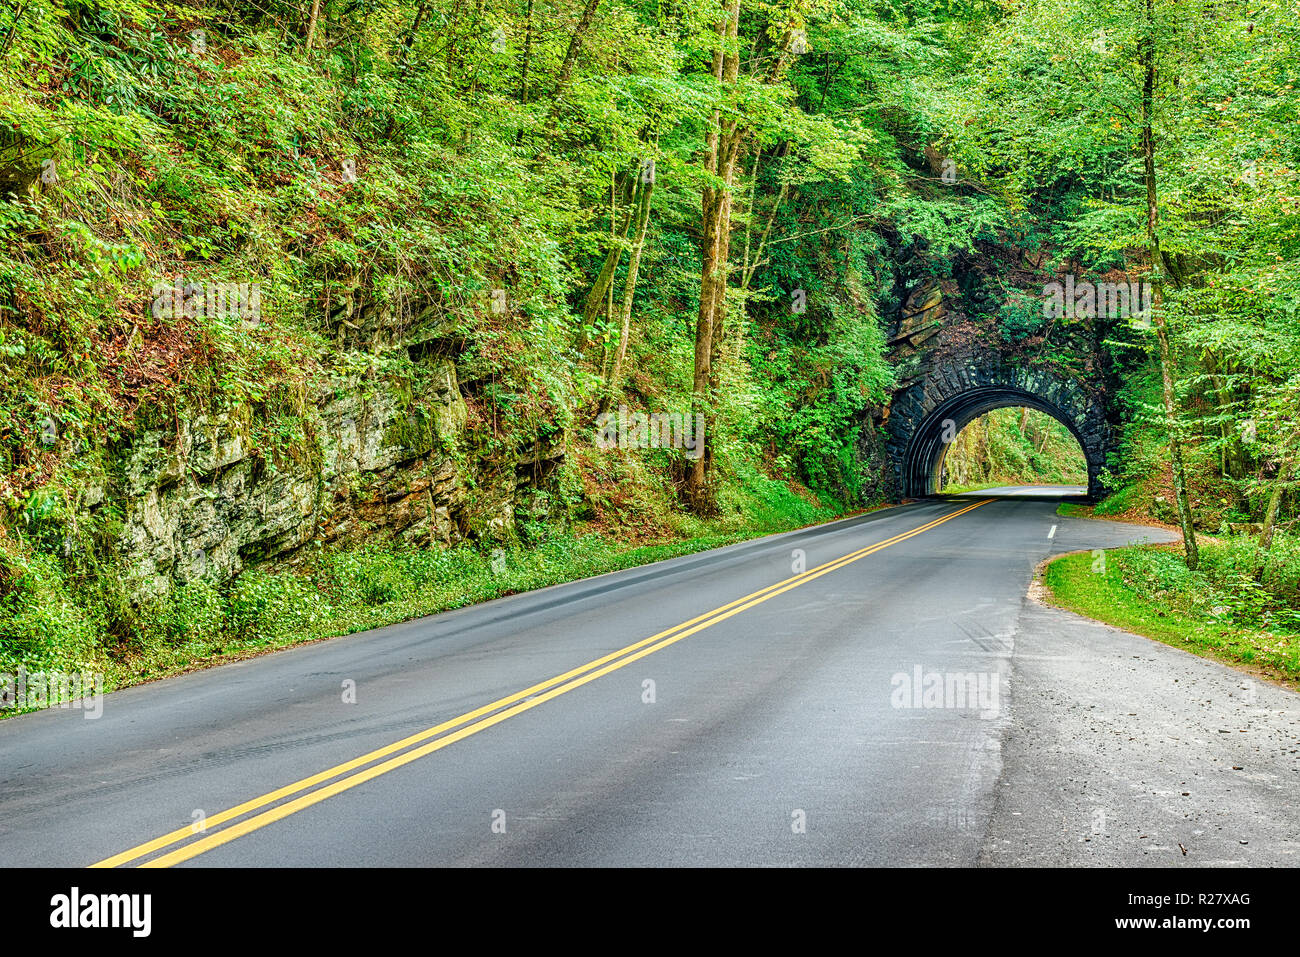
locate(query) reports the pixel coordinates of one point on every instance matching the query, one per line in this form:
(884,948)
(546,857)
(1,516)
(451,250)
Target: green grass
(1132,588)
(1121,501)
(966,489)
(1074,510)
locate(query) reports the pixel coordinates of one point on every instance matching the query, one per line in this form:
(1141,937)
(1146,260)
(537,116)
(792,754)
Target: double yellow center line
(362,769)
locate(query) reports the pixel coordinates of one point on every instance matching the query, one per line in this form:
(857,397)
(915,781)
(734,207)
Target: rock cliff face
(367,459)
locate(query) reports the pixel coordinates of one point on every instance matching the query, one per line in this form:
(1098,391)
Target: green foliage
(1051,115)
(411,193)
(1013,446)
(1212,611)
(1223,590)
(1124,500)
(44,625)
(812,409)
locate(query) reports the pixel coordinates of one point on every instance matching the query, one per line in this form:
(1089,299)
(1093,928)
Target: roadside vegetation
(1220,610)
(1241,603)
(712,209)
(338,591)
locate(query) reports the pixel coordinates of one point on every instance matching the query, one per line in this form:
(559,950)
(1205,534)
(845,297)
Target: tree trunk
(13,28)
(409,40)
(723,144)
(311,23)
(595,297)
(1148,54)
(629,289)
(451,52)
(721,328)
(566,68)
(712,205)
(752,264)
(1270,515)
(528,54)
(982,457)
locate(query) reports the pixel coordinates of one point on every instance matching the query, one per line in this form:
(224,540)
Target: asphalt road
(785,713)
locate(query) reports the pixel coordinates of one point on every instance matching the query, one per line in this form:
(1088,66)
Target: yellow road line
(512,704)
(291,789)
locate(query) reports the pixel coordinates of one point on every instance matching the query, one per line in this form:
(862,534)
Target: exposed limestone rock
(202,500)
(922,316)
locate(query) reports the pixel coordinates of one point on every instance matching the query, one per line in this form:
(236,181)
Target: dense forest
(317,315)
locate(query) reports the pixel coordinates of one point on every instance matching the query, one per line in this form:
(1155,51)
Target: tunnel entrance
(1014,446)
(929,413)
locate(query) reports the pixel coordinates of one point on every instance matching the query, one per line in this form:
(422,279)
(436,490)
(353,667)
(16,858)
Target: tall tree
(724,146)
(646,190)
(1147,53)
(311,22)
(565,75)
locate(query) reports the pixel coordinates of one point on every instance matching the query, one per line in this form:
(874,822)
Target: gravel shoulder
(1121,751)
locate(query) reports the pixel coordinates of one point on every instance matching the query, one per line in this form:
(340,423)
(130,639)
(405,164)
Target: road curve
(769,703)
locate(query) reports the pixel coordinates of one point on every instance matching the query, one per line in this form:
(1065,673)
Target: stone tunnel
(941,390)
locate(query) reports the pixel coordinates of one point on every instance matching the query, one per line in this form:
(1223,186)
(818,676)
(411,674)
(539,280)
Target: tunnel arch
(960,392)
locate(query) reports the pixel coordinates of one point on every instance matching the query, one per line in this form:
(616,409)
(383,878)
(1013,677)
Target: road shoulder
(1121,751)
